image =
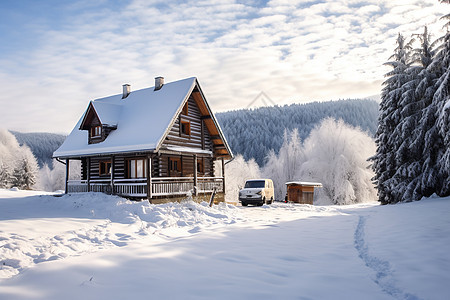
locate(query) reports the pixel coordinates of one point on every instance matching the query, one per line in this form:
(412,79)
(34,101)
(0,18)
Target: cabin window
(185,127)
(200,165)
(96,131)
(185,109)
(105,168)
(175,164)
(137,168)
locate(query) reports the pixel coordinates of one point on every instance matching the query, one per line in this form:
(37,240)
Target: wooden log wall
(119,164)
(199,137)
(121,168)
(187,163)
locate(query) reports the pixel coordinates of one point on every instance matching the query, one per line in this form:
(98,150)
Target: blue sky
(58,55)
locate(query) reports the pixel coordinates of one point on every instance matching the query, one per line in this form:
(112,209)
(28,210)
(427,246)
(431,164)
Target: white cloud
(322,51)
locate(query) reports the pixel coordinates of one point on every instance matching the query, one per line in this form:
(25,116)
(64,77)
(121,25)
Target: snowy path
(383,270)
(115,249)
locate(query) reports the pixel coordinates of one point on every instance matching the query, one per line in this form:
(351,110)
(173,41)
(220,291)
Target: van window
(255,184)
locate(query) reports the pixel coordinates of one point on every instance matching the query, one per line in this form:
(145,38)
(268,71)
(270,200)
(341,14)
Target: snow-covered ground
(94,246)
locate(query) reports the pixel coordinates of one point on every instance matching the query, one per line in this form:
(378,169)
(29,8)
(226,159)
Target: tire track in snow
(383,271)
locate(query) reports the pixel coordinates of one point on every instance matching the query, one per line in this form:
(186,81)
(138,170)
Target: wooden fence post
(223,175)
(149,177)
(113,165)
(66,188)
(195,176)
(88,174)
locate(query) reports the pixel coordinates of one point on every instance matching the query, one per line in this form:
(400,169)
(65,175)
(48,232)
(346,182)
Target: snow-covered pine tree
(416,95)
(384,161)
(440,99)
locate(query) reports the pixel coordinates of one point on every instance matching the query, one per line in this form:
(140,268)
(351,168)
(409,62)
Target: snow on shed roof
(142,119)
(304,183)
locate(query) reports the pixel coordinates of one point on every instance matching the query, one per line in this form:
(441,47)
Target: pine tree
(441,151)
(387,140)
(415,97)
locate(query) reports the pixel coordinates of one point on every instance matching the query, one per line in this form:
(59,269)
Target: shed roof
(142,119)
(304,183)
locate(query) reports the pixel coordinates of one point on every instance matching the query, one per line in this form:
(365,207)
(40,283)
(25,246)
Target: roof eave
(213,117)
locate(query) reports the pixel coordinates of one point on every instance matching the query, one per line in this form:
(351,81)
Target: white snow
(94,246)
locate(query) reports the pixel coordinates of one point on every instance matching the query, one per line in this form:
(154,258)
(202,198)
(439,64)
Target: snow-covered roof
(142,120)
(304,183)
(108,113)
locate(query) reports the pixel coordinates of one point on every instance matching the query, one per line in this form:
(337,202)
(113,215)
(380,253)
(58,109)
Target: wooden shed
(301,192)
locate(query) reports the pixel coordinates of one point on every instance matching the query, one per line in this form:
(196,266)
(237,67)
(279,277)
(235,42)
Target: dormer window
(96,131)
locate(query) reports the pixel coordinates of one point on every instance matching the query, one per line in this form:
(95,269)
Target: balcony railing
(161,186)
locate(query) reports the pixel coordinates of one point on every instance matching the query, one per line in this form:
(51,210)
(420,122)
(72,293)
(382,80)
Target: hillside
(42,144)
(253,132)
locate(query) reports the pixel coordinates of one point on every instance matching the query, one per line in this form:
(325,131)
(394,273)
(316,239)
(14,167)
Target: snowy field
(94,246)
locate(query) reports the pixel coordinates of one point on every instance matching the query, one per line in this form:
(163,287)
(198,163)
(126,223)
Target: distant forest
(41,144)
(254,132)
(250,132)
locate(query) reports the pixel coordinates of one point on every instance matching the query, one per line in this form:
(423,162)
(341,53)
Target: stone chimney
(159,82)
(126,90)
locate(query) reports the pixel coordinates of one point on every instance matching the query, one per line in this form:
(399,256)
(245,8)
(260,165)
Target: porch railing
(161,186)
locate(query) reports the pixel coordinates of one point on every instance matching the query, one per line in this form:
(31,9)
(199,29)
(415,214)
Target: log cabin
(158,143)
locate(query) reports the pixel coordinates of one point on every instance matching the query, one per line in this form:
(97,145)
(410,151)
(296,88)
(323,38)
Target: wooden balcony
(160,186)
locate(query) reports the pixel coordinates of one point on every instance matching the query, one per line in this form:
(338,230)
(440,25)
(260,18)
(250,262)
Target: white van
(257,192)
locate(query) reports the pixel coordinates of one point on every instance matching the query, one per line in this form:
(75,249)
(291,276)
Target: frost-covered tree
(237,172)
(336,155)
(18,166)
(5,175)
(285,166)
(24,175)
(52,179)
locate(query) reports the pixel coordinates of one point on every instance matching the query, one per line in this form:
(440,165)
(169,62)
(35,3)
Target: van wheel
(244,203)
(271,200)
(263,201)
